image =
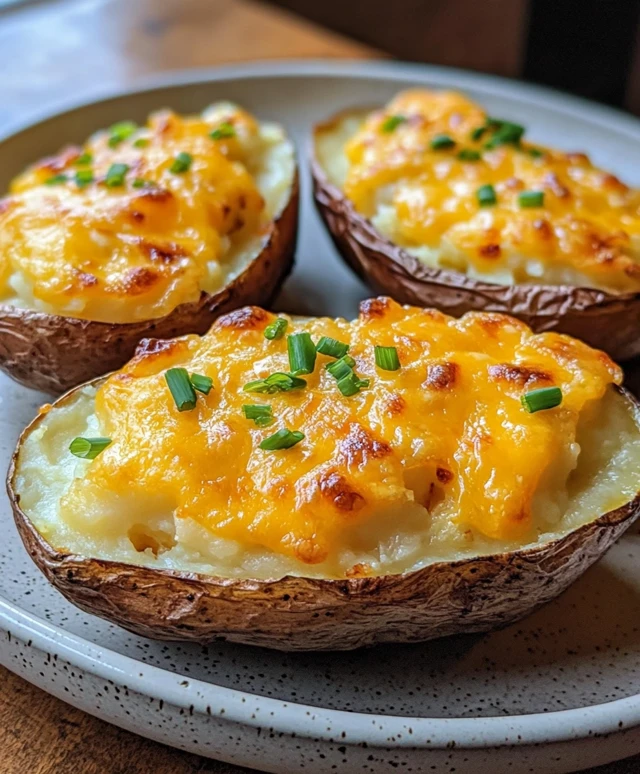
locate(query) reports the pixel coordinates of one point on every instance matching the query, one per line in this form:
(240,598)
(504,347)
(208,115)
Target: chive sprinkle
(181,388)
(535,153)
(223,132)
(486,195)
(141,142)
(83,177)
(278,382)
(140,183)
(283,439)
(442,142)
(477,133)
(83,159)
(351,384)
(531,198)
(505,133)
(387,358)
(342,367)
(466,154)
(181,163)
(302,353)
(56,180)
(261,415)
(116,174)
(542,399)
(332,347)
(276,329)
(203,384)
(391,123)
(88,448)
(120,132)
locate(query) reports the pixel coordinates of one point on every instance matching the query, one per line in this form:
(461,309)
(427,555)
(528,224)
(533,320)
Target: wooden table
(54,50)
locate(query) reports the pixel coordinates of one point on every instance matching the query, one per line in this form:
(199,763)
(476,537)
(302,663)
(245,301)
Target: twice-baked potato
(437,204)
(324,484)
(150,230)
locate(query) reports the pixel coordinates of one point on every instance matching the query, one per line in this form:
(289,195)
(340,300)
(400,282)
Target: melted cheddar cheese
(75,240)
(586,232)
(445,434)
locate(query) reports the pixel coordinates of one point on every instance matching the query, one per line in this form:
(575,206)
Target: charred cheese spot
(520,376)
(360,446)
(248,318)
(442,376)
(339,491)
(489,251)
(443,475)
(374,308)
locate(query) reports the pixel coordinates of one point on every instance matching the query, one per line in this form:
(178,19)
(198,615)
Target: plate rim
(309,721)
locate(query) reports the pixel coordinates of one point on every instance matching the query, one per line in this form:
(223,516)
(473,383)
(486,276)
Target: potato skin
(53,354)
(296,613)
(604,320)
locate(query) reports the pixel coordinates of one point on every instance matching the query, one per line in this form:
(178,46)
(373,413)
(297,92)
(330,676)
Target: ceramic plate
(557,692)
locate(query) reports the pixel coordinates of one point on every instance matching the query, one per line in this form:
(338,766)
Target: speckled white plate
(557,692)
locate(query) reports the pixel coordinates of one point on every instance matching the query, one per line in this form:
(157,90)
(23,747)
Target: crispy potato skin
(295,613)
(604,320)
(53,353)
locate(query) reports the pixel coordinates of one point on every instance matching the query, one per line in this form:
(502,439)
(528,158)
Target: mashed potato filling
(462,191)
(436,460)
(145,218)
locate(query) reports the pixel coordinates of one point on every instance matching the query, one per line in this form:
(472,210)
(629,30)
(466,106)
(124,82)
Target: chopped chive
(332,347)
(542,399)
(278,382)
(83,177)
(505,133)
(466,154)
(181,163)
(276,329)
(140,183)
(535,153)
(201,383)
(88,448)
(442,142)
(283,439)
(56,180)
(116,174)
(391,123)
(531,198)
(120,132)
(141,142)
(223,132)
(302,353)
(351,384)
(387,358)
(486,195)
(477,133)
(342,367)
(261,415)
(83,159)
(181,388)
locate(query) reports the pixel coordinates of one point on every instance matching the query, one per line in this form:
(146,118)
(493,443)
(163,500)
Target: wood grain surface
(55,50)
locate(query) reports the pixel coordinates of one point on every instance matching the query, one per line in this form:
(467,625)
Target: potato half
(132,562)
(605,318)
(145,224)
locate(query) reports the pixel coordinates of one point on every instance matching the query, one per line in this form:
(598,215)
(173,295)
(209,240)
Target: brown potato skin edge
(52,353)
(296,613)
(604,320)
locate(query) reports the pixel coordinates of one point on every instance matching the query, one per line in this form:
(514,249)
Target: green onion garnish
(283,439)
(83,177)
(332,347)
(505,133)
(477,133)
(466,154)
(181,163)
(542,399)
(141,142)
(181,388)
(531,198)
(442,142)
(56,180)
(278,382)
(115,175)
(342,367)
(261,415)
(201,383)
(302,353)
(88,448)
(387,358)
(83,160)
(223,132)
(391,123)
(351,384)
(535,153)
(276,329)
(486,195)
(140,183)
(120,132)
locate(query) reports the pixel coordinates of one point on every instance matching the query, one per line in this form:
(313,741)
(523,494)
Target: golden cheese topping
(427,155)
(446,430)
(136,222)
